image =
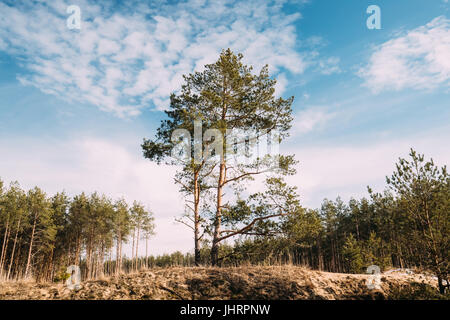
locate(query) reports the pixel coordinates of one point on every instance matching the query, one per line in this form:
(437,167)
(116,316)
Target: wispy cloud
(420,59)
(346,169)
(329,65)
(128,58)
(310,119)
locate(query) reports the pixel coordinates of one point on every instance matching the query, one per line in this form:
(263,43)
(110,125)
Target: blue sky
(75,104)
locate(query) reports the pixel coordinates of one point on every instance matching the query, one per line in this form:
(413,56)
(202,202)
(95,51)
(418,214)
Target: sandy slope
(277,282)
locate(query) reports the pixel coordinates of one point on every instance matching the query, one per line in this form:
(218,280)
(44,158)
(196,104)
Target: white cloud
(281,85)
(310,119)
(420,59)
(329,65)
(345,170)
(124,58)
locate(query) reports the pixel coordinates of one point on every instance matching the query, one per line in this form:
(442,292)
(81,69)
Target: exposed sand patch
(273,283)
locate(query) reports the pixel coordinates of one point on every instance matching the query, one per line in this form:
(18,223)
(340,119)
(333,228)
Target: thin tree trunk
(137,247)
(4,245)
(6,249)
(47,274)
(101,261)
(78,251)
(110,261)
(17,262)
(146,251)
(13,250)
(319,254)
(27,269)
(218,218)
(222,174)
(88,259)
(132,250)
(117,254)
(120,256)
(196,220)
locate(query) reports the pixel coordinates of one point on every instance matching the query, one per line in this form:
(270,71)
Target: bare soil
(267,283)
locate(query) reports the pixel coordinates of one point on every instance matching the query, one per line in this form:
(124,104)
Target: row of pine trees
(41,235)
(338,237)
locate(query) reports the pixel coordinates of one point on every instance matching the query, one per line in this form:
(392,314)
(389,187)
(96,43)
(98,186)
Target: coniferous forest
(43,235)
(406,226)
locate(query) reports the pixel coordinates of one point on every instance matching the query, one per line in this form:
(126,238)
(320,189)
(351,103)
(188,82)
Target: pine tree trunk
(218,218)
(120,256)
(47,274)
(13,250)
(27,269)
(4,246)
(78,251)
(132,250)
(196,221)
(89,258)
(146,251)
(117,254)
(6,249)
(319,256)
(101,261)
(222,177)
(137,247)
(17,262)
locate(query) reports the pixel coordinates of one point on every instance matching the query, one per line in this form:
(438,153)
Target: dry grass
(252,282)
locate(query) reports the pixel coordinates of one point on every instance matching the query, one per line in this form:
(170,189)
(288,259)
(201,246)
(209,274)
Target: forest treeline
(406,226)
(41,236)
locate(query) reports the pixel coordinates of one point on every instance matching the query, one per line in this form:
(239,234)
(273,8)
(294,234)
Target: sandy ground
(272,283)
